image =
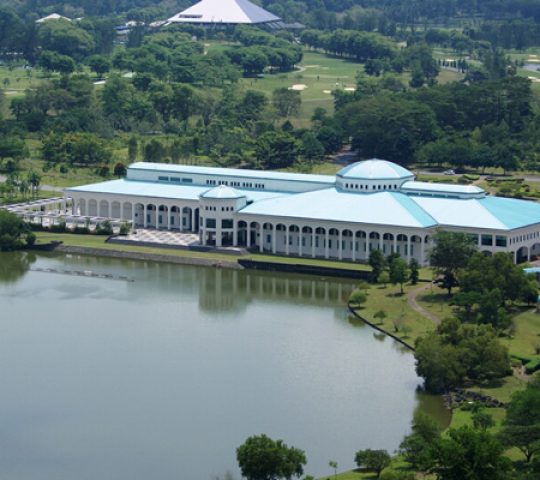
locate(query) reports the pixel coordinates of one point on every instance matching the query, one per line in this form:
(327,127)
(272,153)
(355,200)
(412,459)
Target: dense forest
(184,92)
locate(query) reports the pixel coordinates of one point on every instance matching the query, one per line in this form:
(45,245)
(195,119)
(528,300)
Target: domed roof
(222,192)
(375,169)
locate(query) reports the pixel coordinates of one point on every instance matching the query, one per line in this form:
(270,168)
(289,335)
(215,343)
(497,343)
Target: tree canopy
(261,458)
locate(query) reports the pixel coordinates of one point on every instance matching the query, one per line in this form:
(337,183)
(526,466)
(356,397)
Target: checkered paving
(164,237)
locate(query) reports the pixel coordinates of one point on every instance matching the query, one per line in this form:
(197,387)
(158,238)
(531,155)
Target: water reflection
(14,265)
(147,366)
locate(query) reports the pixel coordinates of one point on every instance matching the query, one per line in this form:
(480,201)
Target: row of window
(215,209)
(523,238)
(360,186)
(225,223)
(175,179)
(232,183)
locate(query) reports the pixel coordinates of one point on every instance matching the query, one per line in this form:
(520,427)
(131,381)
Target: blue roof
(235,172)
(495,213)
(380,208)
(222,192)
(375,169)
(441,188)
(163,190)
(511,212)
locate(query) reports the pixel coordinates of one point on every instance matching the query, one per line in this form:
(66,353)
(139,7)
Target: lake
(164,375)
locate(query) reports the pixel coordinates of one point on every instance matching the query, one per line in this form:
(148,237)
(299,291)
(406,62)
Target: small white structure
(374,204)
(53,16)
(225,12)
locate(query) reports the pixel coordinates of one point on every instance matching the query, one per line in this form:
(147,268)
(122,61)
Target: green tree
(66,38)
(286,102)
(12,147)
(133,149)
(99,64)
(276,149)
(261,458)
(357,297)
(466,453)
(374,460)
(13,231)
(377,263)
(310,148)
(380,315)
(120,170)
(521,426)
(415,447)
(414,273)
(451,252)
(399,272)
(383,278)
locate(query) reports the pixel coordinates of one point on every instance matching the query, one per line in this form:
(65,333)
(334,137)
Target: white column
(168,217)
(408,248)
(73,207)
(340,245)
(354,247)
(395,244)
(422,254)
(326,247)
(133,211)
(235,233)
(300,238)
(261,238)
(287,240)
(313,234)
(219,235)
(381,242)
(145,213)
(274,239)
(248,236)
(193,229)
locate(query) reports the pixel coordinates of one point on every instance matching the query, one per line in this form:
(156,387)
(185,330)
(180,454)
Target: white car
(449,172)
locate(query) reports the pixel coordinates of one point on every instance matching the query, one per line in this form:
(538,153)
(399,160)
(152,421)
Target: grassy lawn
(97,241)
(436,301)
(399,314)
(319,73)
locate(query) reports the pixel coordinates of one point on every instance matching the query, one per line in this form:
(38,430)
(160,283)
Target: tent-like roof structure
(229,12)
(53,16)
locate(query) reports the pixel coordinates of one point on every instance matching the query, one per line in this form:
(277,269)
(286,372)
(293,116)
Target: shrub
(58,227)
(104,228)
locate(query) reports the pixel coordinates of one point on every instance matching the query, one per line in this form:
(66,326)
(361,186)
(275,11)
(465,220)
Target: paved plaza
(163,237)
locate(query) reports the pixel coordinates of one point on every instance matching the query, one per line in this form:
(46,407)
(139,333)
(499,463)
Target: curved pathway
(411,300)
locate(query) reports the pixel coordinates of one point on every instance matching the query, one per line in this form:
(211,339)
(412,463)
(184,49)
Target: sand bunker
(298,87)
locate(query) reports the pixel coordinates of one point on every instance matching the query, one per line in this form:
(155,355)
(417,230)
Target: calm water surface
(163,377)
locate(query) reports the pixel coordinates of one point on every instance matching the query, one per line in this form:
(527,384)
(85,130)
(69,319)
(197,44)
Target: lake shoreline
(147,257)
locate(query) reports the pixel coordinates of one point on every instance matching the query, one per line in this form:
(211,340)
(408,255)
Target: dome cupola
(369,176)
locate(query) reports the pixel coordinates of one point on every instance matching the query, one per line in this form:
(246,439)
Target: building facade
(373,204)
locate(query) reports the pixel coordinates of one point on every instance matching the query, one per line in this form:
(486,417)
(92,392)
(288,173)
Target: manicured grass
(436,301)
(410,324)
(97,241)
(503,389)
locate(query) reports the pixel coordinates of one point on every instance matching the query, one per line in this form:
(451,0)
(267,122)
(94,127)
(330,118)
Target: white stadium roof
(225,12)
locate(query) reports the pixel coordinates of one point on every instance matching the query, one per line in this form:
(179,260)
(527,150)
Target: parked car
(449,172)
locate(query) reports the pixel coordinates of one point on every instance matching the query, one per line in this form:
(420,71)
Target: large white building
(373,204)
(224,12)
